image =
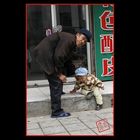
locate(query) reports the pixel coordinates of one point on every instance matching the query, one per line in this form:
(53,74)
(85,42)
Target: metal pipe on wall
(88,44)
(53,13)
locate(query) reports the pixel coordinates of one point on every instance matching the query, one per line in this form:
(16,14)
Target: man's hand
(63,78)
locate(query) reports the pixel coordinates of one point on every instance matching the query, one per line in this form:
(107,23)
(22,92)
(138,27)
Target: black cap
(87,33)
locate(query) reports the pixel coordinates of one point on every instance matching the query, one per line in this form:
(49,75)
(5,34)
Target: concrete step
(38,98)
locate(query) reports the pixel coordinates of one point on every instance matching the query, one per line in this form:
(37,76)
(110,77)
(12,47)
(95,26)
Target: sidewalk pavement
(85,123)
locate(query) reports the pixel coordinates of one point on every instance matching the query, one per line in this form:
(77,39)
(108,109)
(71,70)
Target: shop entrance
(40,18)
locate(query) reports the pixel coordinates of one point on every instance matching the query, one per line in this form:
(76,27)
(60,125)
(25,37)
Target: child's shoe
(98,107)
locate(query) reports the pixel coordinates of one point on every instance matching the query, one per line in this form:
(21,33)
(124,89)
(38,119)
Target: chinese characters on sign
(107,20)
(108,66)
(104,41)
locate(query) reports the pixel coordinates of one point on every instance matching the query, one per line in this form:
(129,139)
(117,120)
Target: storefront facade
(43,20)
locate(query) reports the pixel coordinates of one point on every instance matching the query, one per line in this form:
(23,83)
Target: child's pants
(96,92)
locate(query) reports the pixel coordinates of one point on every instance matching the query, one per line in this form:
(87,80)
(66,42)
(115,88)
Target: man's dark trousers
(56,87)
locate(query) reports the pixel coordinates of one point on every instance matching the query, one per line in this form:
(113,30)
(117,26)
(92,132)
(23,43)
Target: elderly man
(52,53)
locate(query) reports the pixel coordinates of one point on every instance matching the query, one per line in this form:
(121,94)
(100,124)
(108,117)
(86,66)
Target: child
(89,85)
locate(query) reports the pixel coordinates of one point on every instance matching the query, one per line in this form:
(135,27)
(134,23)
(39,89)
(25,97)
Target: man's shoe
(98,107)
(63,114)
(63,93)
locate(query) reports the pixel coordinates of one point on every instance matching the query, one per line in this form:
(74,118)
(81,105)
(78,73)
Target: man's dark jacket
(53,51)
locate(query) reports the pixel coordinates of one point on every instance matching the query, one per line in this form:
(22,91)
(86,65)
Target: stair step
(38,100)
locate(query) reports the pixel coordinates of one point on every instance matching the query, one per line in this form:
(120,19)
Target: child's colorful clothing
(91,86)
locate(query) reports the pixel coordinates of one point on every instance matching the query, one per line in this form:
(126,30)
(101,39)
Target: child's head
(81,73)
